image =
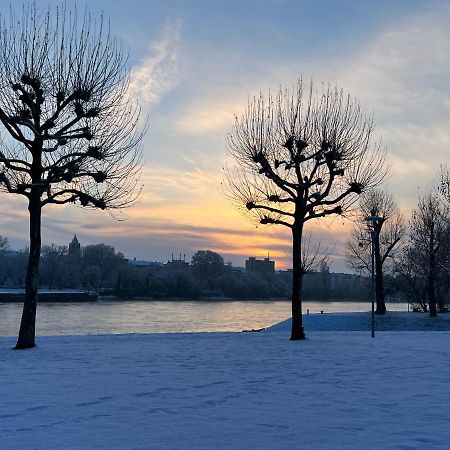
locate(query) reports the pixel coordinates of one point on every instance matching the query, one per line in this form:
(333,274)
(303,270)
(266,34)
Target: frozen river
(118,317)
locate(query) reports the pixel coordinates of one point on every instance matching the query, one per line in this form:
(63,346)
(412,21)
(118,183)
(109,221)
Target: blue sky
(195,63)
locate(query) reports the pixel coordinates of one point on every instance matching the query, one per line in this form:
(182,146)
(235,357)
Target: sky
(194,64)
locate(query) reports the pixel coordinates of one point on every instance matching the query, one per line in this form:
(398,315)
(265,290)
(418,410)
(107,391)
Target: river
(117,317)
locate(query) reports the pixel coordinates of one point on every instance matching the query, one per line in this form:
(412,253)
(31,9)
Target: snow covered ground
(362,321)
(337,390)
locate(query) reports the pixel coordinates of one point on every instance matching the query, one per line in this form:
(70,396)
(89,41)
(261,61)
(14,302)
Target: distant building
(177,264)
(259,265)
(75,248)
(142,264)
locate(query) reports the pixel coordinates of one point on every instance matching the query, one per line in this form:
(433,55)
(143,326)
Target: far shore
(230,299)
(78,296)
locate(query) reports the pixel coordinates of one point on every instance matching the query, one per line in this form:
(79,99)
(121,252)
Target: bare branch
(301,156)
(391,229)
(314,148)
(64,99)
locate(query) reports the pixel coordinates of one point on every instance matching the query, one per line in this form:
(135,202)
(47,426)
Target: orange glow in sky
(194,68)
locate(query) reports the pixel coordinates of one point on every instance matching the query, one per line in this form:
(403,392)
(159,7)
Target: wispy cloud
(158,73)
(399,72)
(402,74)
(205,116)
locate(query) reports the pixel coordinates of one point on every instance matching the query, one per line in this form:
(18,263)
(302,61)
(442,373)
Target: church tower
(75,248)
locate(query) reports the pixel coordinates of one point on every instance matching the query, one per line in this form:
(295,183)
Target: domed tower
(75,248)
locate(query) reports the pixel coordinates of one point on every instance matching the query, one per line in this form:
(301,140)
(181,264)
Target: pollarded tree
(71,131)
(301,156)
(388,230)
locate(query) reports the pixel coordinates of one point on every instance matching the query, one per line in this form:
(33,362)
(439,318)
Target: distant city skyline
(194,65)
(74,247)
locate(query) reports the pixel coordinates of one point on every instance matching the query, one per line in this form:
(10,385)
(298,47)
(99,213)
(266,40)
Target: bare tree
(71,132)
(314,255)
(207,265)
(444,185)
(410,274)
(52,256)
(444,193)
(103,263)
(388,231)
(301,156)
(428,247)
(4,244)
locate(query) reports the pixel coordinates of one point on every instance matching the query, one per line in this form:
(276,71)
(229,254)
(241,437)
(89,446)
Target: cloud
(206,115)
(158,73)
(403,71)
(401,75)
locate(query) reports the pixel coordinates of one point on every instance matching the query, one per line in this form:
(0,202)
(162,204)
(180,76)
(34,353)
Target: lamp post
(372,220)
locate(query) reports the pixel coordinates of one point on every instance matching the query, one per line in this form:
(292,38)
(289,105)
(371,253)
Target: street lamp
(372,220)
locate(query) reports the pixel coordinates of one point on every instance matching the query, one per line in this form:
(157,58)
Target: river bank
(17,295)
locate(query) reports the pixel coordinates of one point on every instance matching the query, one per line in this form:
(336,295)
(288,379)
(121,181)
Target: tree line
(106,271)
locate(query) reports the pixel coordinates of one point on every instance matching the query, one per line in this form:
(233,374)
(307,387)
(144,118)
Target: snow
(361,321)
(336,390)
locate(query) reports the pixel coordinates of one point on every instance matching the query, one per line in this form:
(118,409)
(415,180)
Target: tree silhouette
(388,232)
(444,185)
(52,257)
(301,156)
(207,262)
(4,244)
(72,133)
(429,244)
(206,265)
(103,261)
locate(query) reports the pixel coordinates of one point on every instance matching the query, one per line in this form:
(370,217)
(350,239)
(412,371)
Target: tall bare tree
(301,155)
(444,192)
(71,132)
(429,244)
(388,230)
(411,277)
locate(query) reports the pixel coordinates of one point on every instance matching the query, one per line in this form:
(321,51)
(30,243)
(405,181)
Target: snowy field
(337,390)
(362,321)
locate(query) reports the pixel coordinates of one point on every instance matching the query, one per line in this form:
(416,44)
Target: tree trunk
(27,330)
(431,295)
(430,288)
(379,294)
(431,275)
(297,330)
